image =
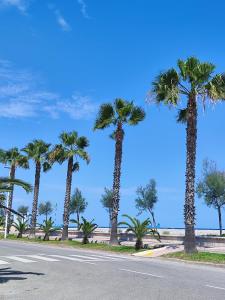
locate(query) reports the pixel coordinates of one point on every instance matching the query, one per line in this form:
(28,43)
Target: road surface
(31,271)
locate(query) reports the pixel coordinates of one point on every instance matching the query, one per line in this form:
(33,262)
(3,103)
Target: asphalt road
(34,271)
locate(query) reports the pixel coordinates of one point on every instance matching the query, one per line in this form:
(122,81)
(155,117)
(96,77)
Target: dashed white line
(136,272)
(215,287)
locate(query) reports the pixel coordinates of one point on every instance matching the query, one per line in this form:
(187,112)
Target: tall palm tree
(14,159)
(37,151)
(195,81)
(70,149)
(118,114)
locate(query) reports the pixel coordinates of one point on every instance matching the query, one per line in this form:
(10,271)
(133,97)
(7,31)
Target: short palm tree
(195,81)
(140,229)
(70,149)
(87,228)
(21,226)
(15,160)
(118,114)
(37,151)
(47,228)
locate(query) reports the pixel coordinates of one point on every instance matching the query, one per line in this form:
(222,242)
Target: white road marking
(72,258)
(215,287)
(43,257)
(86,257)
(104,257)
(148,274)
(2,262)
(20,259)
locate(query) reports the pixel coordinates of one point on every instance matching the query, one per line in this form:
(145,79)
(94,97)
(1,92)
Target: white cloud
(79,107)
(83,8)
(20,97)
(21,5)
(61,21)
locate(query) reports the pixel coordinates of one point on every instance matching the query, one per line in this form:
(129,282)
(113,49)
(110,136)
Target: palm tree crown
(120,111)
(71,146)
(37,150)
(14,158)
(193,78)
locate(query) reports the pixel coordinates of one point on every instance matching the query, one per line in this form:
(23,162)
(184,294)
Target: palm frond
(165,87)
(137,115)
(18,182)
(215,88)
(182,116)
(76,167)
(105,116)
(82,142)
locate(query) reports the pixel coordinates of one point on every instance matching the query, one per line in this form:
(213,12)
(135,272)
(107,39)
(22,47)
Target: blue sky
(59,60)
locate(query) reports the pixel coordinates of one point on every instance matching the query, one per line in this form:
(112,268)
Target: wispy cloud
(77,107)
(83,8)
(21,5)
(62,21)
(20,97)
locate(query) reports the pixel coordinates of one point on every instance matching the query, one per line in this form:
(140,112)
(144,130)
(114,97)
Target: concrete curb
(193,262)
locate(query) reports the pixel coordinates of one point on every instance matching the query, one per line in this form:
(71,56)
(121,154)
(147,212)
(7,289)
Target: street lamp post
(7,212)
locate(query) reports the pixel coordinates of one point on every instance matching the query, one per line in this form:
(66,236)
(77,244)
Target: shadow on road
(7,274)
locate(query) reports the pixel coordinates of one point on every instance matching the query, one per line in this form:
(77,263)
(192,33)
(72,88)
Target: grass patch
(200,256)
(76,244)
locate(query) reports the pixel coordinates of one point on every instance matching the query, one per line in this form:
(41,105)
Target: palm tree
(140,229)
(21,226)
(195,81)
(23,210)
(47,228)
(37,151)
(71,148)
(15,159)
(78,204)
(45,208)
(87,228)
(118,114)
(107,203)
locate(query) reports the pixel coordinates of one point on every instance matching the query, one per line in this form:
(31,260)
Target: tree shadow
(7,274)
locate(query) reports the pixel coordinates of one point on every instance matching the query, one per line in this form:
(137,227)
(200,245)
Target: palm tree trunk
(78,220)
(12,176)
(35,199)
(189,207)
(116,183)
(110,219)
(66,213)
(220,220)
(153,218)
